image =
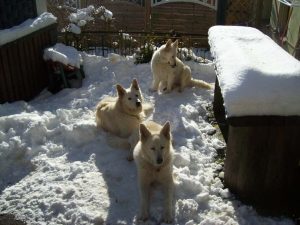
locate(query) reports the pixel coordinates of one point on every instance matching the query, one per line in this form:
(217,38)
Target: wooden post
(219,111)
(262,164)
(147,15)
(258,13)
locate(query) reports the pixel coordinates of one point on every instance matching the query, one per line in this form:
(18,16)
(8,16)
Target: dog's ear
(144,132)
(121,90)
(175,43)
(168,44)
(165,131)
(135,85)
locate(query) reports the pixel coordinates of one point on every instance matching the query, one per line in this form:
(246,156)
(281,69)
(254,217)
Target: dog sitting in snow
(153,156)
(123,114)
(170,72)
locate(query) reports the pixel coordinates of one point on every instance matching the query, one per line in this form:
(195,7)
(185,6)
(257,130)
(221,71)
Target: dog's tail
(199,84)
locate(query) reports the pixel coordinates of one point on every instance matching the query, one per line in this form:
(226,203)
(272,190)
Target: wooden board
(262,163)
(22,68)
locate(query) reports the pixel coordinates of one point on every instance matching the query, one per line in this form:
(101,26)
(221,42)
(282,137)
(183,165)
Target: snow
(27,27)
(75,28)
(67,55)
(266,79)
(57,168)
(82,16)
(108,15)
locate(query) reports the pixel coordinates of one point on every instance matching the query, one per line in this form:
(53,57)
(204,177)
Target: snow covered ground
(56,167)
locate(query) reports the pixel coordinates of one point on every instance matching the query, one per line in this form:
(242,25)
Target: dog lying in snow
(153,155)
(170,72)
(123,114)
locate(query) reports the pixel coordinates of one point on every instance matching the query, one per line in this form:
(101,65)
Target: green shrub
(145,53)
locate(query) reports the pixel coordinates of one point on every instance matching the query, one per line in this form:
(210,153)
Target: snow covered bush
(72,20)
(144,54)
(187,54)
(80,17)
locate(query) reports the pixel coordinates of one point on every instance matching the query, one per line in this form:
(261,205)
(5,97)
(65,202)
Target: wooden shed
(22,70)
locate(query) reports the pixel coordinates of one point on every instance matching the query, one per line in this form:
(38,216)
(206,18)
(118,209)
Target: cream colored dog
(123,114)
(170,72)
(153,156)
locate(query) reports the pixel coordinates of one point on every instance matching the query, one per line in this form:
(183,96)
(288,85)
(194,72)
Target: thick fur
(170,72)
(123,114)
(153,156)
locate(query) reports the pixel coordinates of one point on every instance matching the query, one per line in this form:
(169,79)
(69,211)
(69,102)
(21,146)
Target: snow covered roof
(67,55)
(256,76)
(27,27)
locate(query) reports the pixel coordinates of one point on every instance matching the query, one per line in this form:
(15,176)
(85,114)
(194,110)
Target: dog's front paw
(143,217)
(166,91)
(129,158)
(167,218)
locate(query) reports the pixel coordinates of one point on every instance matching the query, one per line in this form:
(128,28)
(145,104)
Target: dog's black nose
(138,104)
(159,160)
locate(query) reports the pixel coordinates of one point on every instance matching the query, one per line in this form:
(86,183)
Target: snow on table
(256,76)
(66,55)
(27,27)
(57,168)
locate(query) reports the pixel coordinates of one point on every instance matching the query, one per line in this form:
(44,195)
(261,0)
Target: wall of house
(285,23)
(293,33)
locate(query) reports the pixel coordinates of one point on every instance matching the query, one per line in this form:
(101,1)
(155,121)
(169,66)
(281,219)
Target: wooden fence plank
(3,86)
(14,73)
(7,75)
(25,68)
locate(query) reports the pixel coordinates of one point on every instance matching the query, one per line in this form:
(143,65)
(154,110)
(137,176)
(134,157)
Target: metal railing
(128,43)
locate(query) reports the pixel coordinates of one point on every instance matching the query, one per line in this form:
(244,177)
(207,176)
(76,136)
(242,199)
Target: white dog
(121,115)
(153,156)
(170,72)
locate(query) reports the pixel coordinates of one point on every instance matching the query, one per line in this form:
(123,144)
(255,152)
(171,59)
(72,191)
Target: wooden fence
(182,17)
(137,16)
(22,68)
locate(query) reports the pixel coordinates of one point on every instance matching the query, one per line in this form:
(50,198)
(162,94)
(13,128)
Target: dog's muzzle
(172,65)
(138,103)
(159,160)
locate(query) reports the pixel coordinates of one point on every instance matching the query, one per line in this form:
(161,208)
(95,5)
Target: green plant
(145,53)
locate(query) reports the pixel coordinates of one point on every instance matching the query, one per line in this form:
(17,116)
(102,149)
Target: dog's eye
(137,96)
(129,98)
(162,147)
(153,148)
